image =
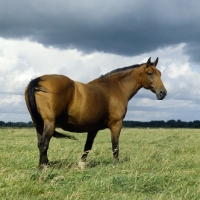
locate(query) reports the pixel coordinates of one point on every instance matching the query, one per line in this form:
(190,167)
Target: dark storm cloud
(120,27)
(193,49)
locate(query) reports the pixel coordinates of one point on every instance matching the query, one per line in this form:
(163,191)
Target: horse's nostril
(162,92)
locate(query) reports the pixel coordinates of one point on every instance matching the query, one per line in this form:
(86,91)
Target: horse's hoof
(115,162)
(43,167)
(82,165)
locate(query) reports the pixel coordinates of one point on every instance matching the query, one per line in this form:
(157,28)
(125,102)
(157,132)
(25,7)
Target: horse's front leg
(115,129)
(87,148)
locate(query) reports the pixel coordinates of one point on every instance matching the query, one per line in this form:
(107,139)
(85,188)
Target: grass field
(154,164)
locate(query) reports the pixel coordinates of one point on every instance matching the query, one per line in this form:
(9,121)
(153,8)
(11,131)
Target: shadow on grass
(91,163)
(67,164)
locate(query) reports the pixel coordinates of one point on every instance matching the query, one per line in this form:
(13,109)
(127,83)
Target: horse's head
(151,79)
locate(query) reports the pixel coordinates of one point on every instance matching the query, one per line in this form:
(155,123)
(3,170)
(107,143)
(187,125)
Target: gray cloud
(140,110)
(193,49)
(124,28)
(104,35)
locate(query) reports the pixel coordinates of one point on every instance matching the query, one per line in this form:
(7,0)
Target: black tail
(61,135)
(34,87)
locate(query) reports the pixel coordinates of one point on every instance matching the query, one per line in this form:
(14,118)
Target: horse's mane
(120,70)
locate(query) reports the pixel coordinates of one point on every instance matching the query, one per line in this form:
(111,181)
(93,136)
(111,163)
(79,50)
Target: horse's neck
(127,83)
(131,82)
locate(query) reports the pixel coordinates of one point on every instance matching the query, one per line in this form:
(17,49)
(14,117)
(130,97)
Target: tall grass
(154,164)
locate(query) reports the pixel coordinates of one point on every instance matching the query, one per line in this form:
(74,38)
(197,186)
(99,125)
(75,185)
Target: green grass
(154,164)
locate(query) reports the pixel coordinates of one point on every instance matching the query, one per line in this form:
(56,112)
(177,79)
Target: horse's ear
(156,62)
(149,62)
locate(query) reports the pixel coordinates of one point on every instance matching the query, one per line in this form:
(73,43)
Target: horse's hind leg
(88,147)
(43,142)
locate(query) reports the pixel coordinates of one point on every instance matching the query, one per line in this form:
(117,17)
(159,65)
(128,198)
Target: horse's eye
(149,73)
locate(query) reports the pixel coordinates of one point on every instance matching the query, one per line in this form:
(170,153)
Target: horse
(55,100)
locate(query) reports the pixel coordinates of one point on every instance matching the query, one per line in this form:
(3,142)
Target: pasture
(154,164)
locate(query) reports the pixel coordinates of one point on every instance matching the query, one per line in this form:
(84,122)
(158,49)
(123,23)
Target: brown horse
(56,100)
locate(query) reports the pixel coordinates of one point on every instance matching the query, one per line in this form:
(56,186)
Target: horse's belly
(85,128)
(74,125)
(82,128)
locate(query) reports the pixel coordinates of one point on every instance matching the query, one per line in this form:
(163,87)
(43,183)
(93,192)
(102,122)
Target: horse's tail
(30,91)
(56,134)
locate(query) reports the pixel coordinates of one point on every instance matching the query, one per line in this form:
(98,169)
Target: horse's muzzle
(161,94)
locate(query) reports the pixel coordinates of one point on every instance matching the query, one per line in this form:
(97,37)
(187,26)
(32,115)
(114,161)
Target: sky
(85,39)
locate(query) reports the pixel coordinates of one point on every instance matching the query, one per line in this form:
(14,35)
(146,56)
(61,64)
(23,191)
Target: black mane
(120,70)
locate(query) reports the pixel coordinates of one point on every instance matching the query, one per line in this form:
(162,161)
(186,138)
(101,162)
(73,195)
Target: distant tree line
(16,124)
(162,124)
(130,124)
